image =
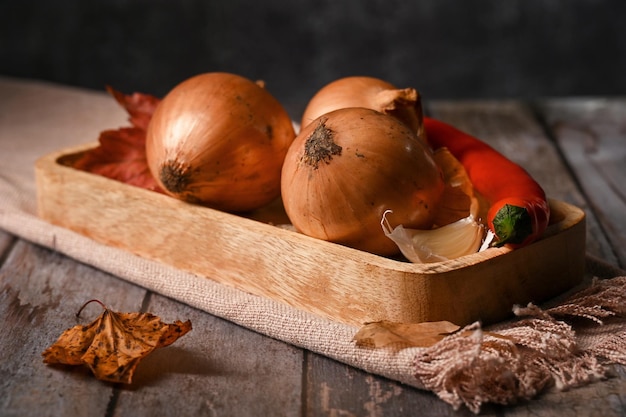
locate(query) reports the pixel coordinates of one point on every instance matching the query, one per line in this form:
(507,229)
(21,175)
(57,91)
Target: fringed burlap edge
(565,346)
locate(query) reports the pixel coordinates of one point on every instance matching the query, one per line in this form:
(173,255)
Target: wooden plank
(6,241)
(512,128)
(228,373)
(334,389)
(601,399)
(40,293)
(218,368)
(592,136)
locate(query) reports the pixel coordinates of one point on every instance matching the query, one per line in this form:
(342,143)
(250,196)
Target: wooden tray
(343,284)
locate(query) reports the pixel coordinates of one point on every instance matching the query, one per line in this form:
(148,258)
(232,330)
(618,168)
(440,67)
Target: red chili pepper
(518,212)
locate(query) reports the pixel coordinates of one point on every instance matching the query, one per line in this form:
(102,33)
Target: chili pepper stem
(512,224)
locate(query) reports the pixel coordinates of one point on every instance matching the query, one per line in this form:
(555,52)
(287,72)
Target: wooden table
(575,147)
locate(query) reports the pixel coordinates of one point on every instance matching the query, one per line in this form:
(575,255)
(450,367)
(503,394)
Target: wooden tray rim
(53,160)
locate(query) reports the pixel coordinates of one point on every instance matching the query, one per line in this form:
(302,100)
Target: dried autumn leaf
(139,106)
(384,333)
(113,345)
(121,154)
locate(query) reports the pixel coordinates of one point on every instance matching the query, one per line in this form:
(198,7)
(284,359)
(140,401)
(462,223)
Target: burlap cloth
(503,364)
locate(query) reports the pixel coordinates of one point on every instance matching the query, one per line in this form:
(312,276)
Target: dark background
(445,48)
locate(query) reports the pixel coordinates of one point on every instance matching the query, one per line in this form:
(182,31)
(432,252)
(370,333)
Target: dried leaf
(384,333)
(113,345)
(139,106)
(121,154)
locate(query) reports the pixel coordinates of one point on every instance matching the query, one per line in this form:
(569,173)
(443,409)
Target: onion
(371,93)
(219,140)
(344,170)
(456,231)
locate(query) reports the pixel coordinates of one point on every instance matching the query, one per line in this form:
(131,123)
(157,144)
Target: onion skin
(219,140)
(350,165)
(368,92)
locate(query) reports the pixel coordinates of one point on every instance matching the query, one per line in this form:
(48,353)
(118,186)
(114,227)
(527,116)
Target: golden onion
(219,140)
(349,166)
(371,93)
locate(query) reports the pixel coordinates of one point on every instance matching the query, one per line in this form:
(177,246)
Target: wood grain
(6,241)
(40,293)
(349,286)
(216,369)
(222,369)
(592,137)
(334,389)
(219,367)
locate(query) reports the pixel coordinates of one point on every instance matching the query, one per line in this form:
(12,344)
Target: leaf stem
(89,302)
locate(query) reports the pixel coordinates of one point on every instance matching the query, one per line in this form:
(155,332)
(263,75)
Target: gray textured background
(445,48)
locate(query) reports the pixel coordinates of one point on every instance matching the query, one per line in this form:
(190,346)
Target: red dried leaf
(139,106)
(121,154)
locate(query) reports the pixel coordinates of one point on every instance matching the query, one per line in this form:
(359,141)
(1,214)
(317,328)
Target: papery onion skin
(368,92)
(219,139)
(346,168)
